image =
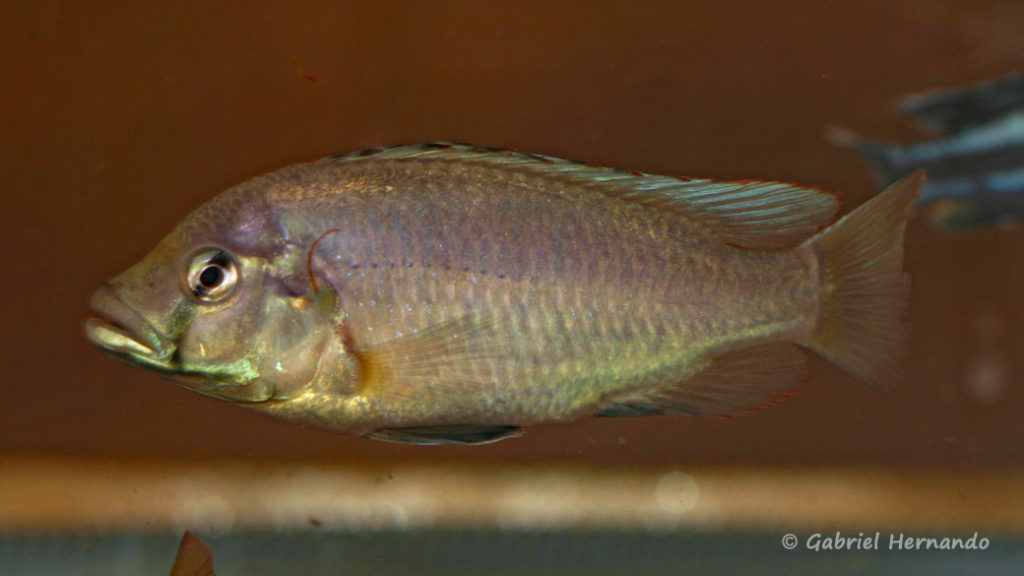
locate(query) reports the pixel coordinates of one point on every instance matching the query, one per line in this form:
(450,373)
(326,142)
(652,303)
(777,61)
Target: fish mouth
(123,332)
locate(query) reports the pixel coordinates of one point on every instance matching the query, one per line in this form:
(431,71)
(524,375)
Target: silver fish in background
(975,166)
(445,293)
(956,111)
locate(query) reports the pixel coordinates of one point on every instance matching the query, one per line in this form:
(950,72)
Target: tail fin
(861,324)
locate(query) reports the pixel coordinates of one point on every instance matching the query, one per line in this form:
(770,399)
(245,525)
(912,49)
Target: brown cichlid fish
(444,293)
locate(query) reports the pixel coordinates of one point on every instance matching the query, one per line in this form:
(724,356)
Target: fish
(956,110)
(975,161)
(452,294)
(193,558)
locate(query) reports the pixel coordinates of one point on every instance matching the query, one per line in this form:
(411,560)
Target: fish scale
(619,301)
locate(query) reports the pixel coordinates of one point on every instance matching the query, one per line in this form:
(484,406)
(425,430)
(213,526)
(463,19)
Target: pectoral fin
(435,364)
(466,434)
(742,380)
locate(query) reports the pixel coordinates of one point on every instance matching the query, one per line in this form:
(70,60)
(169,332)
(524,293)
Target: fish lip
(122,331)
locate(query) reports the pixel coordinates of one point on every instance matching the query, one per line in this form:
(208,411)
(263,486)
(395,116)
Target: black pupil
(211,276)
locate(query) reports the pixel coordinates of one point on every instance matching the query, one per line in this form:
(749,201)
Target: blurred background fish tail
(974,154)
(884,158)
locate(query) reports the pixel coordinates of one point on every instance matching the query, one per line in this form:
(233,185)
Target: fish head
(223,306)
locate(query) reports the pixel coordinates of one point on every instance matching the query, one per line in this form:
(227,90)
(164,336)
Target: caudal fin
(862,324)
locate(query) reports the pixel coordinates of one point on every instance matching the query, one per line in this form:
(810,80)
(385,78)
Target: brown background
(117,119)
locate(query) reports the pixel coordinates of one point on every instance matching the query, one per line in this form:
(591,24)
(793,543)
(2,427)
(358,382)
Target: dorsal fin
(748,213)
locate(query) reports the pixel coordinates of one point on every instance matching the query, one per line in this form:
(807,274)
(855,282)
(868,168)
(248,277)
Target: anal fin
(742,380)
(465,434)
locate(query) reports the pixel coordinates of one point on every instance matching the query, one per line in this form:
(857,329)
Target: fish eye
(212,275)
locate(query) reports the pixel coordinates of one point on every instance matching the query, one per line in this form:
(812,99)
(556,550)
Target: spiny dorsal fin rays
(752,214)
